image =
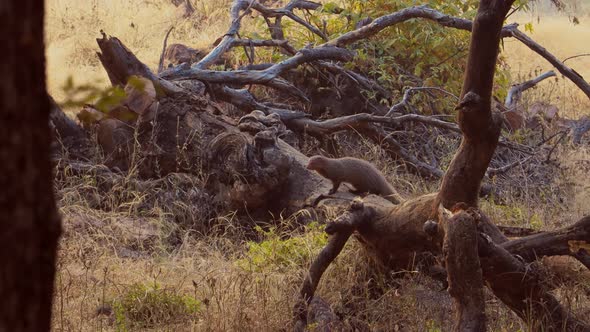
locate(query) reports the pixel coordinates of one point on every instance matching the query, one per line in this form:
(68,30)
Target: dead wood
(268,76)
(513,231)
(340,230)
(567,241)
(465,280)
(322,317)
(120,63)
(67,136)
(559,65)
(523,288)
(161,62)
(515,92)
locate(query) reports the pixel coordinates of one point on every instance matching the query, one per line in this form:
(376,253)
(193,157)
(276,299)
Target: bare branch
(516,90)
(228,38)
(288,11)
(341,229)
(522,288)
(260,76)
(268,76)
(576,78)
(560,242)
(491,172)
(406,99)
(575,56)
(161,62)
(403,15)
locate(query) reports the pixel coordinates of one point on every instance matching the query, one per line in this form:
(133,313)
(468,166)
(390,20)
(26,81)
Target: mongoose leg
(335,185)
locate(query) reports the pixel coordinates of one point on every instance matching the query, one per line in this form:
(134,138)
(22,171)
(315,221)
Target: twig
(491,172)
(161,63)
(575,56)
(563,133)
(405,100)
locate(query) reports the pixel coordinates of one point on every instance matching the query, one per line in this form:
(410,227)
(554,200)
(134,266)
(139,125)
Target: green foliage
(432,326)
(277,254)
(104,99)
(413,53)
(142,306)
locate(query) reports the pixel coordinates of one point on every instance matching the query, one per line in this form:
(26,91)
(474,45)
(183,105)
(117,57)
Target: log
(67,135)
(567,241)
(522,288)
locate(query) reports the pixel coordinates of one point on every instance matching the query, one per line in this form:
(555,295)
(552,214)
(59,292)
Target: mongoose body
(365,177)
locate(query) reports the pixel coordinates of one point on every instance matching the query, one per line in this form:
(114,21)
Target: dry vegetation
(136,255)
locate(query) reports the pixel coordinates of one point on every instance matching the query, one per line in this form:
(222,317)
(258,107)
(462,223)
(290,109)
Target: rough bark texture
(461,183)
(30,225)
(463,268)
(480,128)
(524,289)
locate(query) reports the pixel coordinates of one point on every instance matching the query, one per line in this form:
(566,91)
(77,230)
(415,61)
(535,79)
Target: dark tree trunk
(30,226)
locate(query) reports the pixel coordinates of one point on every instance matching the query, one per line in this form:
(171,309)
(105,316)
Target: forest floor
(127,261)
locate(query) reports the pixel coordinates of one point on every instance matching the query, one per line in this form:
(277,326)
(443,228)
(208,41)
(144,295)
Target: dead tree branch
(523,288)
(340,230)
(567,241)
(406,98)
(403,15)
(288,11)
(268,76)
(228,38)
(566,71)
(120,63)
(161,62)
(491,172)
(516,90)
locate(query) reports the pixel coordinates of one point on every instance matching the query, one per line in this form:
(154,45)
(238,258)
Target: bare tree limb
(403,15)
(516,90)
(522,288)
(340,230)
(491,172)
(260,76)
(560,242)
(406,98)
(228,38)
(161,62)
(576,78)
(288,11)
(575,56)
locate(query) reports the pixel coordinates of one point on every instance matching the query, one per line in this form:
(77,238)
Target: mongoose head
(316,162)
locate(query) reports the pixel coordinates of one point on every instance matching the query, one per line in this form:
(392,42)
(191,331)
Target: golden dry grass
(72,27)
(563,39)
(113,240)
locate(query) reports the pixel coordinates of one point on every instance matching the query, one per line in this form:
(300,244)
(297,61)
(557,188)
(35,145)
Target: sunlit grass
(563,39)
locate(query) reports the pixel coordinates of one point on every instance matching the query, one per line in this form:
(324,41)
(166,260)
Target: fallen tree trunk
(523,288)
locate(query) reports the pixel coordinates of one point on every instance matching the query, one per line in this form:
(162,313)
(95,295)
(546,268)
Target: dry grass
(167,239)
(73,26)
(563,39)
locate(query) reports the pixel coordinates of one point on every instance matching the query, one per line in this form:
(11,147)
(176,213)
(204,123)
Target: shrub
(142,306)
(277,254)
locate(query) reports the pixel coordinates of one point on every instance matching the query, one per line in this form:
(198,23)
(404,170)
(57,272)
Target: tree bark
(30,223)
